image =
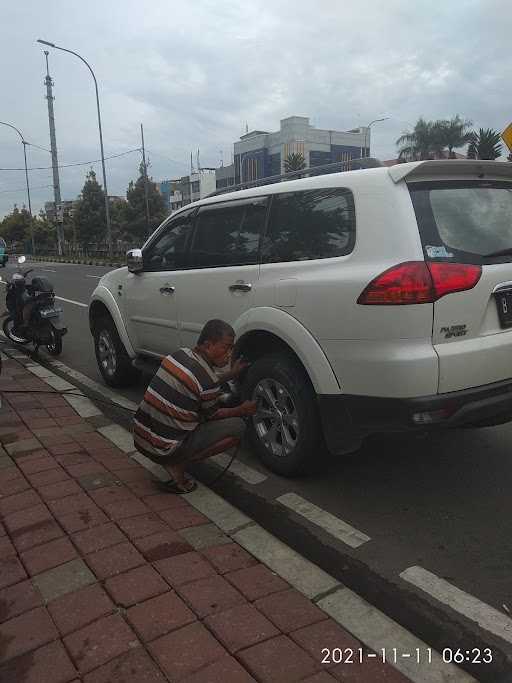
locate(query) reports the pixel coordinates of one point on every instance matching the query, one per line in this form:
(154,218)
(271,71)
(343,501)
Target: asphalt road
(441,503)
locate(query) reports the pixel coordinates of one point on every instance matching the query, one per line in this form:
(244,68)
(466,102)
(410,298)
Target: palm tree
(423,143)
(454,133)
(294,162)
(485,144)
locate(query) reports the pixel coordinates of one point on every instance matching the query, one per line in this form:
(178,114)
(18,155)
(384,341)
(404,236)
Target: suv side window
(168,251)
(313,224)
(228,234)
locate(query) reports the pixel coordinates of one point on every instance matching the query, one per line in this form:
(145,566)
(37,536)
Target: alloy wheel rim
(15,337)
(107,353)
(276,422)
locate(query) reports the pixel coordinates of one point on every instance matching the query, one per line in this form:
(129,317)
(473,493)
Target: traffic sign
(507,136)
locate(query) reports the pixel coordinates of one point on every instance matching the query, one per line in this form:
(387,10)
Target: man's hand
(247,408)
(238,366)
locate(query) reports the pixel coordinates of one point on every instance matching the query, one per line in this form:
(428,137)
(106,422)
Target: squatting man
(178,421)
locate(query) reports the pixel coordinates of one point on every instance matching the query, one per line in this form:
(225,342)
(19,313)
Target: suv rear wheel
(285,432)
(113,362)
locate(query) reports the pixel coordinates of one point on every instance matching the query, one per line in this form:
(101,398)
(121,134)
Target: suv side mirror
(134,260)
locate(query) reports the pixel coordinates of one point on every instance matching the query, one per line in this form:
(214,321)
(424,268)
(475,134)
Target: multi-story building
(65,210)
(189,188)
(165,189)
(202,183)
(260,154)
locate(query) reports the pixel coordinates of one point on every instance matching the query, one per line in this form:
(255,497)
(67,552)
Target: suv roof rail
(339,166)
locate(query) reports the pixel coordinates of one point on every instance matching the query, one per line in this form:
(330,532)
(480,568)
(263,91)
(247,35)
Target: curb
(83,261)
(368,624)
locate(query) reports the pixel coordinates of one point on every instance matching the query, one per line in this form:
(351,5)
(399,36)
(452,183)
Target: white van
(368,301)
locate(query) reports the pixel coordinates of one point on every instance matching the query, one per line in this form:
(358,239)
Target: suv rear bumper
(345,416)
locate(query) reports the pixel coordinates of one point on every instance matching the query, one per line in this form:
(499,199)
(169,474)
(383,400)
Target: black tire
(116,369)
(55,348)
(278,371)
(7,327)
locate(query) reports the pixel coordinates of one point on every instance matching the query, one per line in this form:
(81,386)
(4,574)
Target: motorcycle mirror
(22,259)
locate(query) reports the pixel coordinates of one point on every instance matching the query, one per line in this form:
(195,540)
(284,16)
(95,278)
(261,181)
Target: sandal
(172,486)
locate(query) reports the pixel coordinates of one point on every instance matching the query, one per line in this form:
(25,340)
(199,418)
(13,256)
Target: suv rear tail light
(418,282)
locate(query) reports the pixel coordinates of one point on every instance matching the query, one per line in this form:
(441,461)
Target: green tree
(454,133)
(485,144)
(44,233)
(15,227)
(294,162)
(135,210)
(117,219)
(89,215)
(425,142)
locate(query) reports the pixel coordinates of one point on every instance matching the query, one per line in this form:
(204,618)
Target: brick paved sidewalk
(103,579)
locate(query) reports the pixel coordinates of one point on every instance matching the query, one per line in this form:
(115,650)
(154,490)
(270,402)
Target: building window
(195,186)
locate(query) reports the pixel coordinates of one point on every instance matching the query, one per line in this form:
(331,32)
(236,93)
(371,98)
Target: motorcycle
(44,326)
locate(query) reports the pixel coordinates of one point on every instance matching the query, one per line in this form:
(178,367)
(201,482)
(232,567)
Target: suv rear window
(314,224)
(464,220)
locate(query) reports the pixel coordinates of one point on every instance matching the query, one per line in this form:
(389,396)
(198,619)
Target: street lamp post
(107,208)
(25,143)
(368,128)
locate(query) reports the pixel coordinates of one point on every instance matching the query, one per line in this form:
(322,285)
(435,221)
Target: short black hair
(214,330)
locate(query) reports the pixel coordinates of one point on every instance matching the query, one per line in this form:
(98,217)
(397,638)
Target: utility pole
(53,146)
(146,193)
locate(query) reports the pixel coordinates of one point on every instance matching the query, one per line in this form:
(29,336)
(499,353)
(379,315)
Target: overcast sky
(195,73)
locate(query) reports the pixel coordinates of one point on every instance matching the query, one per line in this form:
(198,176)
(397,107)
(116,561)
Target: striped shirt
(183,393)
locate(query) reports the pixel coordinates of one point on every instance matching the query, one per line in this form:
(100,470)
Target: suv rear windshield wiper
(502,252)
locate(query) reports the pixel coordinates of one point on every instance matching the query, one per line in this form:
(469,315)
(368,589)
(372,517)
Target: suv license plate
(504,304)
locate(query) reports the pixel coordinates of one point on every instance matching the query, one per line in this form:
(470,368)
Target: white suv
(368,301)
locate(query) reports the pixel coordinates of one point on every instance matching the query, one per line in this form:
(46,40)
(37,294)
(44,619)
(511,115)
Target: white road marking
(378,632)
(70,301)
(95,276)
(243,471)
(484,615)
(47,270)
(333,525)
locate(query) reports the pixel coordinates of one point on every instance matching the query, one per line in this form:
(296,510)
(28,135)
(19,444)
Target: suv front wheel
(285,432)
(113,361)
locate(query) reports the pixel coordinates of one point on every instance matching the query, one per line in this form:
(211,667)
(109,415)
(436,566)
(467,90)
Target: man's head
(216,342)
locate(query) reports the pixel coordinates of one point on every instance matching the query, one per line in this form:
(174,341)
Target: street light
(25,143)
(386,118)
(107,209)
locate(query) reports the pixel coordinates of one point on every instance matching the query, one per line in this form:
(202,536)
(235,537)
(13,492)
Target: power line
(80,163)
(32,144)
(24,189)
(174,161)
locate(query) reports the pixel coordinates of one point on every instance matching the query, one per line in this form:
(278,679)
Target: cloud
(194,74)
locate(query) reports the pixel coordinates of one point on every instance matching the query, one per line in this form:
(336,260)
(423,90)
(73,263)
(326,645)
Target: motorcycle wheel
(55,347)
(8,328)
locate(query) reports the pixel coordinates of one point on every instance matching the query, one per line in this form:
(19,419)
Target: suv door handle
(240,287)
(167,290)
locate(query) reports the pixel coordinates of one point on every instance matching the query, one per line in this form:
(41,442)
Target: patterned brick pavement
(103,579)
